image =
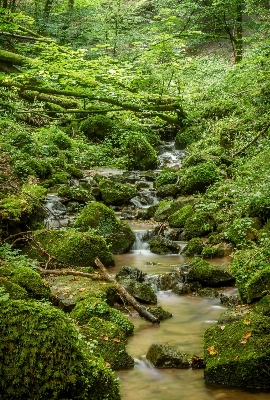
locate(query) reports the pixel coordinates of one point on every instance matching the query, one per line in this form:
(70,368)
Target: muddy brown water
(184,331)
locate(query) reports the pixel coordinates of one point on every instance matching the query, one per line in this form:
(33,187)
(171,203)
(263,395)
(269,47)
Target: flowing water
(184,332)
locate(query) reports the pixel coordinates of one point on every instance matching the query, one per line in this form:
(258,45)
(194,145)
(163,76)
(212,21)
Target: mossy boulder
(198,224)
(193,247)
(95,307)
(119,236)
(140,291)
(43,357)
(210,252)
(165,208)
(131,273)
(69,290)
(75,193)
(251,269)
(68,247)
(238,355)
(161,245)
(15,291)
(186,136)
(163,356)
(242,231)
(23,206)
(208,275)
(167,176)
(263,306)
(31,281)
(96,127)
(114,193)
(169,190)
(140,154)
(197,178)
(109,342)
(159,313)
(179,218)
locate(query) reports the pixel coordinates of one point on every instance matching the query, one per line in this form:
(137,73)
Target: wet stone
(163,356)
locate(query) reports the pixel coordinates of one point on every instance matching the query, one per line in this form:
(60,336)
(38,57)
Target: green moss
(23,205)
(141,291)
(198,178)
(263,306)
(42,357)
(96,307)
(194,246)
(102,219)
(241,231)
(161,245)
(210,252)
(32,282)
(238,355)
(15,291)
(198,224)
(207,274)
(179,218)
(166,176)
(185,137)
(96,127)
(159,313)
(251,269)
(165,208)
(71,247)
(114,193)
(109,342)
(140,154)
(75,193)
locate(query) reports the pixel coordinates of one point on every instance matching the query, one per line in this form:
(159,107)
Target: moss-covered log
(14,58)
(64,102)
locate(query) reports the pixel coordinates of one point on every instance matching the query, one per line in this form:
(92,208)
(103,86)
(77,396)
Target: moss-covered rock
(161,245)
(238,354)
(169,190)
(96,127)
(141,155)
(159,313)
(198,224)
(179,218)
(109,342)
(194,247)
(166,177)
(163,356)
(165,208)
(68,247)
(15,291)
(210,252)
(114,193)
(69,290)
(23,206)
(32,282)
(131,273)
(242,231)
(185,137)
(263,306)
(208,275)
(75,193)
(95,307)
(140,291)
(102,219)
(42,357)
(198,178)
(251,269)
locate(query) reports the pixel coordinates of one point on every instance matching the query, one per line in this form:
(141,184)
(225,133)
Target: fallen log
(44,271)
(130,299)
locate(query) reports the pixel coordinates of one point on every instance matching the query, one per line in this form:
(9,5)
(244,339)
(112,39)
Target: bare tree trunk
(239,32)
(130,299)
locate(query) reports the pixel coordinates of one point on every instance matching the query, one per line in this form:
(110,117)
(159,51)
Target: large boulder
(161,245)
(179,218)
(114,193)
(198,224)
(68,247)
(197,178)
(43,357)
(238,354)
(208,275)
(163,356)
(131,273)
(102,219)
(96,307)
(109,342)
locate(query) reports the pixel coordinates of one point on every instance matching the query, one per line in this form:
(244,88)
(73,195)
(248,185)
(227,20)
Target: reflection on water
(184,331)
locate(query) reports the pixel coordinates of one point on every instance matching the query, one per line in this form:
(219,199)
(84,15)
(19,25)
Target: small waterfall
(142,238)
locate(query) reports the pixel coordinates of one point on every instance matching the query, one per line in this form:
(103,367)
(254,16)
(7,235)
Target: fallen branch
(43,271)
(130,299)
(253,140)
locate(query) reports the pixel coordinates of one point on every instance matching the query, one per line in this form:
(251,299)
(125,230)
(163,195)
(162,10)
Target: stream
(184,332)
(192,315)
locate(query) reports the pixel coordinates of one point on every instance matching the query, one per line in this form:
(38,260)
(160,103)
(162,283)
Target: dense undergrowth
(220,195)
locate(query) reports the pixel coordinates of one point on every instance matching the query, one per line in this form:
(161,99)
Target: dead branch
(130,299)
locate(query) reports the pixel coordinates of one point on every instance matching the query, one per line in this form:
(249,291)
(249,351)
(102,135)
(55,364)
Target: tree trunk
(239,32)
(130,299)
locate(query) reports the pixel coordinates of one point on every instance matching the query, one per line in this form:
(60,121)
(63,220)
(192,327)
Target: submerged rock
(114,193)
(131,273)
(159,313)
(163,356)
(161,245)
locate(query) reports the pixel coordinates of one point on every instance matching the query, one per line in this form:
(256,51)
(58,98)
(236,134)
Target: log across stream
(184,331)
